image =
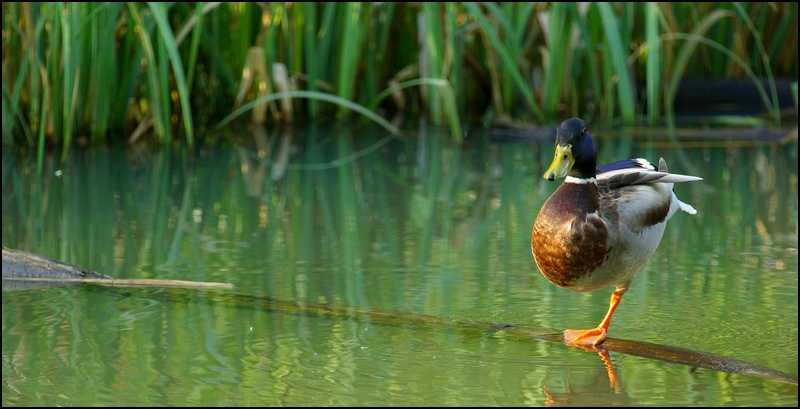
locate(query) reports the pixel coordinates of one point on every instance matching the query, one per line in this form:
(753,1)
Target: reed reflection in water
(370,223)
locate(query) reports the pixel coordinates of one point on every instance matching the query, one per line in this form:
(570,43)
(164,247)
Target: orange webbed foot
(584,337)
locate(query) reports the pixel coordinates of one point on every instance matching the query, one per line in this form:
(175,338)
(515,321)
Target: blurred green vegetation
(167,72)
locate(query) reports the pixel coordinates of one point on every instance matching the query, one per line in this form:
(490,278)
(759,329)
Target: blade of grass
(774,106)
(682,60)
(310,48)
(448,98)
(160,17)
(13,108)
(619,61)
(558,55)
(588,50)
(783,35)
(652,62)
(102,57)
(53,67)
(349,57)
(69,74)
(432,56)
(150,69)
(507,17)
(197,32)
(38,75)
(164,93)
(508,62)
(733,58)
(339,101)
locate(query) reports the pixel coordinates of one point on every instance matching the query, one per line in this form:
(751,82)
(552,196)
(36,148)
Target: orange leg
(594,336)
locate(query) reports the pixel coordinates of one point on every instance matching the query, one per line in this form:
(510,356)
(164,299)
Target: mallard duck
(601,225)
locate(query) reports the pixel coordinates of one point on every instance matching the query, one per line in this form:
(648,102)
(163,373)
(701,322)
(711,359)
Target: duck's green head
(575,154)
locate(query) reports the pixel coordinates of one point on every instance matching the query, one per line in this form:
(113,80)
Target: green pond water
(369,270)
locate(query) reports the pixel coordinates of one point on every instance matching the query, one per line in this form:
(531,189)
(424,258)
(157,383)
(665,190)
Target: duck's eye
(583,132)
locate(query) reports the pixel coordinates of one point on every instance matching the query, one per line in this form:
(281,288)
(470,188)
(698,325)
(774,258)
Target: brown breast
(566,243)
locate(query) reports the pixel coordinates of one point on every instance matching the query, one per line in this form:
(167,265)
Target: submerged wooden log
(23,271)
(22,267)
(677,355)
(664,353)
(695,359)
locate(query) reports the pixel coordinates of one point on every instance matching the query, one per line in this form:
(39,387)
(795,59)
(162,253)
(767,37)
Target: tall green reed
(89,72)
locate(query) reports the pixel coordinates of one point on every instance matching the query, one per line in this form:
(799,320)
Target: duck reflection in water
(590,396)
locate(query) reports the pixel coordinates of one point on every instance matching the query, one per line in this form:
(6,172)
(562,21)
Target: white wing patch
(644,163)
